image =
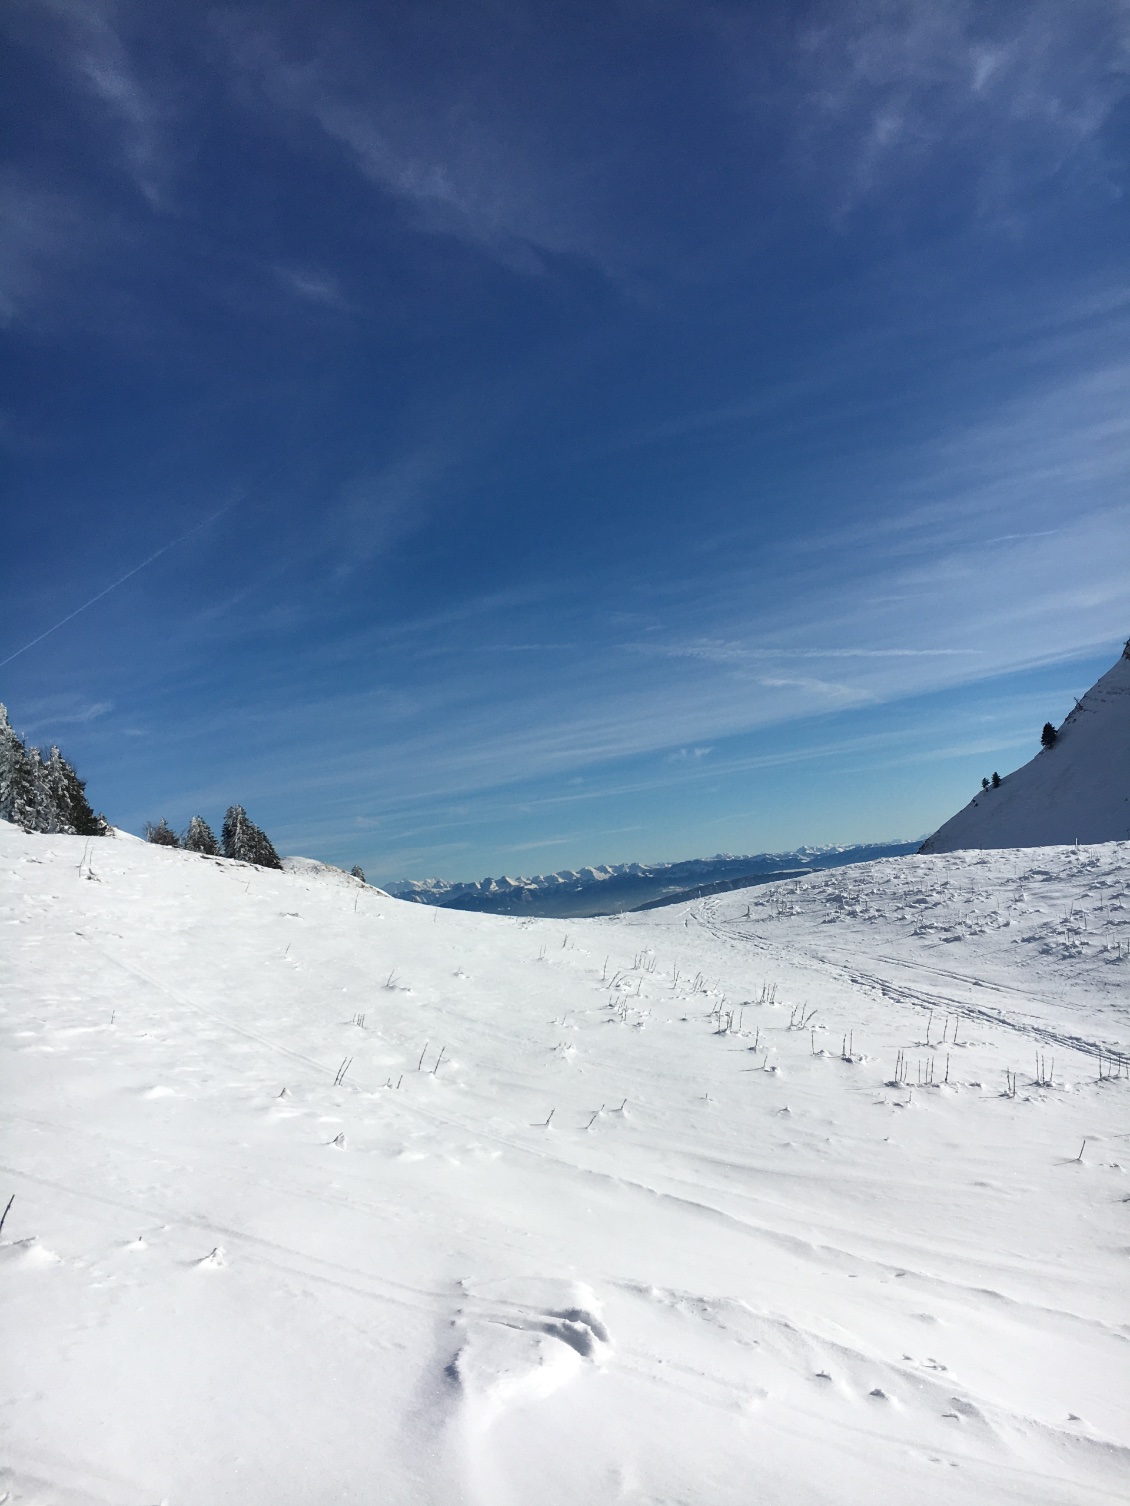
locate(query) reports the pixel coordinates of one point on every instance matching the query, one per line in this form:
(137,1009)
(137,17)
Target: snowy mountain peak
(610,888)
(1075,790)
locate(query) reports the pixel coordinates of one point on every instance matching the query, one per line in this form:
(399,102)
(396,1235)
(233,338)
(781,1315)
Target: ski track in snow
(321,1196)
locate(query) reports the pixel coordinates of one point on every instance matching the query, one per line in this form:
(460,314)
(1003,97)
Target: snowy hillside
(1076,790)
(326,873)
(780,1196)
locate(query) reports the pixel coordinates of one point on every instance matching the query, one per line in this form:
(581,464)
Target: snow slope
(596,1211)
(326,873)
(1077,790)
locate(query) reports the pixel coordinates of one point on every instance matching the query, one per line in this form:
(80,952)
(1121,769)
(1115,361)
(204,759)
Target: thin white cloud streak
(113,586)
(312,286)
(54,712)
(724,651)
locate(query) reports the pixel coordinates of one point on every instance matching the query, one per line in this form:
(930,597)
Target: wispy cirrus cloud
(312,285)
(41,230)
(444,142)
(1008,94)
(83,35)
(52,712)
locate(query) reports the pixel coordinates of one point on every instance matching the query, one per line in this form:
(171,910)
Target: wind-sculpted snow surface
(814,1192)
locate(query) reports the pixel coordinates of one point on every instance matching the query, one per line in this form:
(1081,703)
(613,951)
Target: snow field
(647,1209)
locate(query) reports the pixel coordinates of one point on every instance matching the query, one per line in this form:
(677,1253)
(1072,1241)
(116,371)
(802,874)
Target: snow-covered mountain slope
(780,1196)
(1076,790)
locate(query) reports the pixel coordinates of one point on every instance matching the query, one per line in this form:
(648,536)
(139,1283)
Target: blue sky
(495,438)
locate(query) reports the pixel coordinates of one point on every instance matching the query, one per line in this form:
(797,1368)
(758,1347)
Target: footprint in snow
(521,1340)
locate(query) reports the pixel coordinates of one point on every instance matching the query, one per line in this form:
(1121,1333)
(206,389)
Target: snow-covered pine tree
(18,796)
(42,795)
(67,792)
(46,816)
(357,872)
(84,822)
(161,834)
(1049,734)
(55,789)
(199,838)
(242,839)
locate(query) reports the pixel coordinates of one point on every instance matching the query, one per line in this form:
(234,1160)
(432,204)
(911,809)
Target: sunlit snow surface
(608,1249)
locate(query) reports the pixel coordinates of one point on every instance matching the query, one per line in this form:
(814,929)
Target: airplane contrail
(113,586)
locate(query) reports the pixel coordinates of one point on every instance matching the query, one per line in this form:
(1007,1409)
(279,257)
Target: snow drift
(1076,790)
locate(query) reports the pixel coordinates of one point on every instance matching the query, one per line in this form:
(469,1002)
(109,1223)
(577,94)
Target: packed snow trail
(777,1196)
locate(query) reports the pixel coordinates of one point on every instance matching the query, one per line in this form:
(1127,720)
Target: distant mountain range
(1076,789)
(612,889)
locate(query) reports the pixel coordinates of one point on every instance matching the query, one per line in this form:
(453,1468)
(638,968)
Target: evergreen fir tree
(46,817)
(996,780)
(199,838)
(1048,736)
(242,840)
(67,793)
(84,822)
(55,787)
(984,784)
(17,778)
(161,834)
(11,759)
(357,872)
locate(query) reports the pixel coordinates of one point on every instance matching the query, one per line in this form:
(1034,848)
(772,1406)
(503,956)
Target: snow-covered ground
(598,1211)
